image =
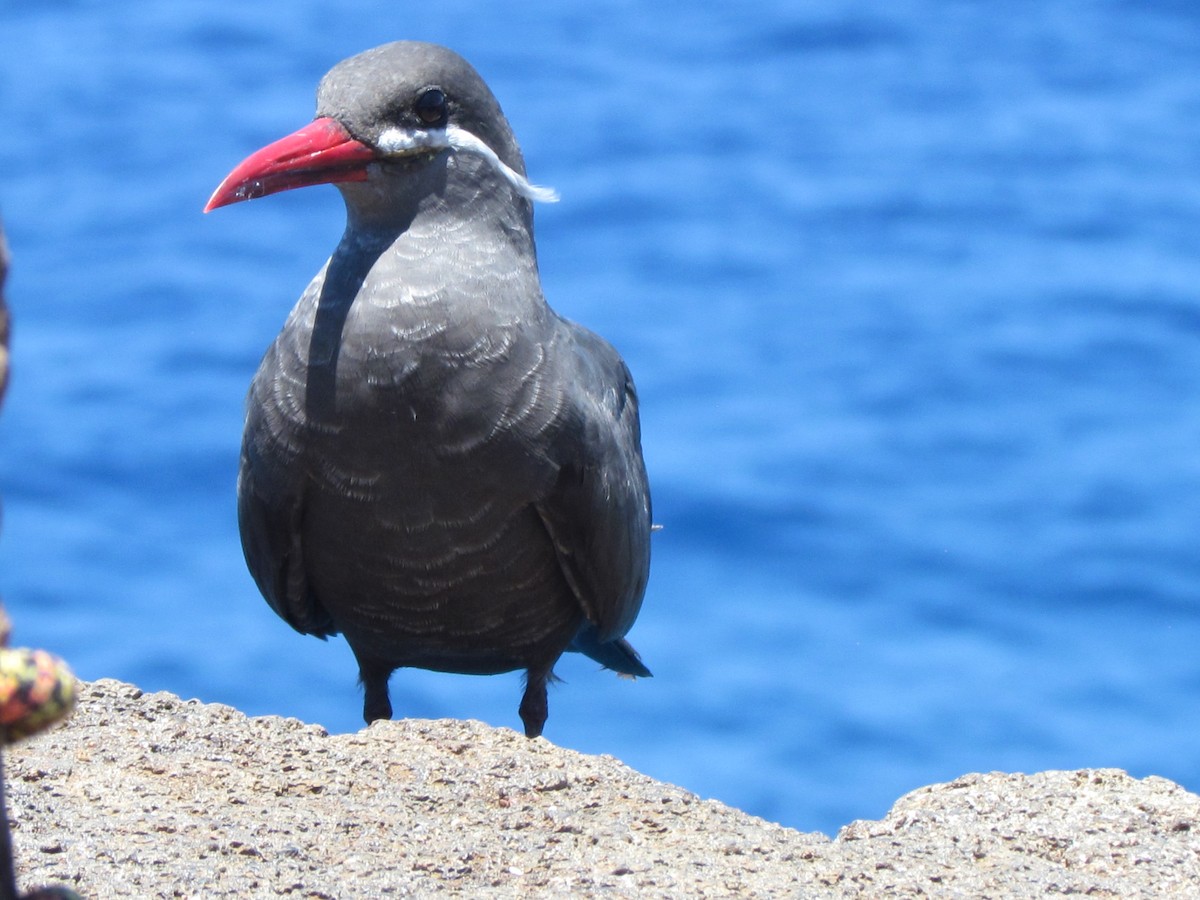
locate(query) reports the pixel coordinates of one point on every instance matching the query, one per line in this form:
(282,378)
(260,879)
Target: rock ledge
(148,795)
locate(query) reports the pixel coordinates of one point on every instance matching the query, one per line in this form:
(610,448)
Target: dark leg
(374,680)
(534,708)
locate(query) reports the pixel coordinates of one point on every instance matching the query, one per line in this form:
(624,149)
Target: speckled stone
(148,795)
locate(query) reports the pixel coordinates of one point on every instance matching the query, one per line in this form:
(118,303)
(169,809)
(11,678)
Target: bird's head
(385,117)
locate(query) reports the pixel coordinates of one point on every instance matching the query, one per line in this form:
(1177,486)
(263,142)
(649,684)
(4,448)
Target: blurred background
(911,292)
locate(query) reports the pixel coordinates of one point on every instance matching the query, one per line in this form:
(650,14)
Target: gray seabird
(436,464)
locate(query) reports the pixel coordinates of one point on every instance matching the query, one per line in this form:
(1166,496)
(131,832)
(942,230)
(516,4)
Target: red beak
(322,152)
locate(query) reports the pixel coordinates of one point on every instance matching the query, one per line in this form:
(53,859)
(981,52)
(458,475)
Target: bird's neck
(452,193)
(442,242)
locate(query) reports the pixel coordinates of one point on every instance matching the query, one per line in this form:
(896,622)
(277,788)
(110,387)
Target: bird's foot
(376,703)
(534,707)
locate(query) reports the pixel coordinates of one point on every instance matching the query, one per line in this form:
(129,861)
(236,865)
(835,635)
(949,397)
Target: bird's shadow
(343,279)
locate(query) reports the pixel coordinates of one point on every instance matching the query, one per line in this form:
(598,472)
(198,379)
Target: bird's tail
(617,655)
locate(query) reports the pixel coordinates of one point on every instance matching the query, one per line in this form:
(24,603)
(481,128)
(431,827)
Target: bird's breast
(419,412)
(420,446)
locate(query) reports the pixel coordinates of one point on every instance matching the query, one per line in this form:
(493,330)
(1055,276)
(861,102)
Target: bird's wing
(598,511)
(271,510)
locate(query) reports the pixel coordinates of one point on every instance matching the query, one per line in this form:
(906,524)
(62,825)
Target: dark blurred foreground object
(435,463)
(36,688)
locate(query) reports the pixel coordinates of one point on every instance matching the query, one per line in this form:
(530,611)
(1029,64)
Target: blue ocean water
(911,292)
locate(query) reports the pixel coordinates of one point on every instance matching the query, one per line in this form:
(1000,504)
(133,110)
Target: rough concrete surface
(148,795)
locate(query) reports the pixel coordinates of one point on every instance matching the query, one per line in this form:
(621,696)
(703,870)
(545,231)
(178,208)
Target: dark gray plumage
(435,464)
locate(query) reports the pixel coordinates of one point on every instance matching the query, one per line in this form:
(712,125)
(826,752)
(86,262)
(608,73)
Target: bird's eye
(431,106)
